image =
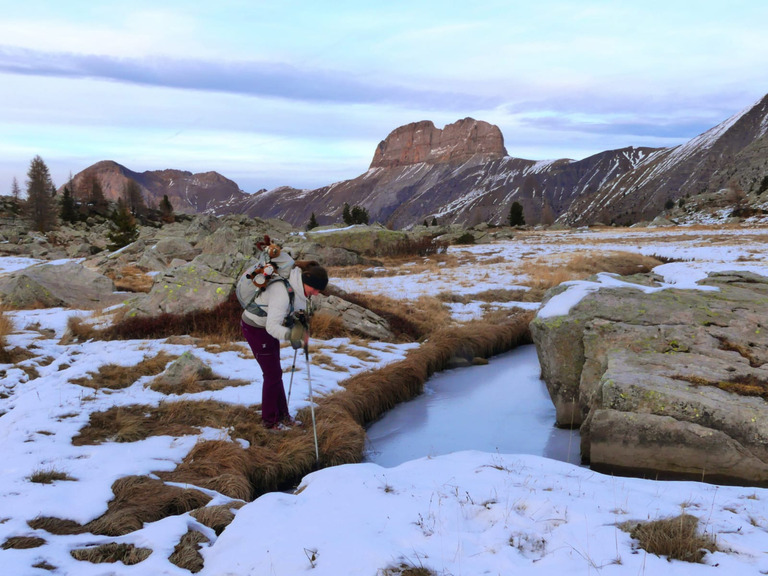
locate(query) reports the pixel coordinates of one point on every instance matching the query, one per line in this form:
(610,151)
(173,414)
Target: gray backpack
(272,265)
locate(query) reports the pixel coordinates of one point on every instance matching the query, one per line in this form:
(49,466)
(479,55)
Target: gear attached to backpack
(273,264)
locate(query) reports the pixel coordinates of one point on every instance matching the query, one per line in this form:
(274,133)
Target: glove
(297,336)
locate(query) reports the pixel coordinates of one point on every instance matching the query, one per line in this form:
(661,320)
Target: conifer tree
(312,222)
(516,217)
(15,197)
(166,210)
(40,207)
(67,211)
(125,230)
(434,221)
(359,215)
(346,216)
(133,198)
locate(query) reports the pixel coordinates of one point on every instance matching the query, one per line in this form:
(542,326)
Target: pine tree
(40,207)
(434,221)
(516,217)
(125,230)
(15,197)
(67,211)
(134,198)
(346,216)
(166,210)
(359,215)
(97,202)
(312,222)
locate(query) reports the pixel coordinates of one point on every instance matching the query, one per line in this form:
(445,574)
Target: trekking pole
(312,404)
(293,369)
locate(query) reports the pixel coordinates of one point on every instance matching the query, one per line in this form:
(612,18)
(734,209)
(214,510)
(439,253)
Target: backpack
(273,264)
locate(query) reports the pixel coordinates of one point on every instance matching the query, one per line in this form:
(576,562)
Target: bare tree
(133,198)
(40,206)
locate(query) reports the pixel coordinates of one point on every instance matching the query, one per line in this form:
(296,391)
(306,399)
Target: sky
(473,511)
(301,93)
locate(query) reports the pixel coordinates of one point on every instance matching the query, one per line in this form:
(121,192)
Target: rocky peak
(423,142)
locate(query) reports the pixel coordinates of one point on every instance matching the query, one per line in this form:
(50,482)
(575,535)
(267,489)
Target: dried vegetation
(676,538)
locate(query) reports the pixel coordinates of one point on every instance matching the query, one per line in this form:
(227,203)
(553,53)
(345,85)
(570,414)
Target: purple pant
(266,349)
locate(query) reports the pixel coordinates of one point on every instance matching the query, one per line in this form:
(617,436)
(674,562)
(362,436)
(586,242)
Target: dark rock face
(422,142)
(670,383)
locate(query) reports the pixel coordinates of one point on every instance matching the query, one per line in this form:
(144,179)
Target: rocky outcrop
(664,382)
(67,284)
(422,142)
(355,319)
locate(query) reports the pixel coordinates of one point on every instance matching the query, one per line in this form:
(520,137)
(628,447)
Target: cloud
(253,78)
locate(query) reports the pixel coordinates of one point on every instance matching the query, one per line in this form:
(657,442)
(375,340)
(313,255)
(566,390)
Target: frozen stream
(501,407)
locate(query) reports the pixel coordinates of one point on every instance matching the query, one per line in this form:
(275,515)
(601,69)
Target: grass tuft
(22,543)
(49,476)
(186,554)
(676,538)
(116,377)
(112,552)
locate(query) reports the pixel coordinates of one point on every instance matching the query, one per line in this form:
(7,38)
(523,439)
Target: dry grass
(405,569)
(131,279)
(116,377)
(193,384)
(543,275)
(128,554)
(137,422)
(218,517)
(6,329)
(49,476)
(22,543)
(186,554)
(676,538)
(747,385)
(325,325)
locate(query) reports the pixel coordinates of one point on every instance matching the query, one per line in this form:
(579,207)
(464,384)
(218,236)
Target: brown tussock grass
(140,499)
(112,552)
(44,565)
(325,325)
(116,377)
(186,554)
(217,517)
(49,476)
(22,542)
(676,538)
(131,279)
(6,329)
(543,275)
(193,384)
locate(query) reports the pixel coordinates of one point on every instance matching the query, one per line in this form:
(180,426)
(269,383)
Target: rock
(422,142)
(184,289)
(667,382)
(69,284)
(169,248)
(355,318)
(185,368)
(371,240)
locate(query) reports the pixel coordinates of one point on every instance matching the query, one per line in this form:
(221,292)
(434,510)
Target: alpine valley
(462,174)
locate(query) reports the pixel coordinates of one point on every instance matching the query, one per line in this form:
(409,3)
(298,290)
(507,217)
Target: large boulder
(372,240)
(183,289)
(664,382)
(66,284)
(355,318)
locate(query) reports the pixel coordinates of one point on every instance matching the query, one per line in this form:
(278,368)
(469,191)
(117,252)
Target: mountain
(188,193)
(462,174)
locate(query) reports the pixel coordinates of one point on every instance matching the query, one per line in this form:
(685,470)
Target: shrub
(676,538)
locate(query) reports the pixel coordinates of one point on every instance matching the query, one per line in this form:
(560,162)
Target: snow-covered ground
(469,512)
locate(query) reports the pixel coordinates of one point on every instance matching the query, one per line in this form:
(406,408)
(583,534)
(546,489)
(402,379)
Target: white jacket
(275,301)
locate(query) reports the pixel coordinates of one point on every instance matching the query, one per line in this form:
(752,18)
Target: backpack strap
(259,309)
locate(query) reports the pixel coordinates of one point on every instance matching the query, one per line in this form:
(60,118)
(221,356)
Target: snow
(468,512)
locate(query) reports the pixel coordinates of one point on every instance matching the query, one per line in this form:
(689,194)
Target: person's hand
(299,336)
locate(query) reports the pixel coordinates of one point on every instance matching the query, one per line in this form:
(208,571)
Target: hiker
(282,301)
